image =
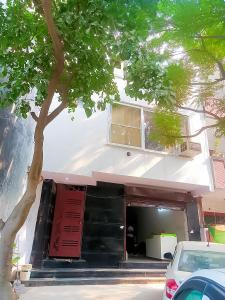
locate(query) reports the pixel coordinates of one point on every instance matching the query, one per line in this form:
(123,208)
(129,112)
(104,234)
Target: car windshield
(193,260)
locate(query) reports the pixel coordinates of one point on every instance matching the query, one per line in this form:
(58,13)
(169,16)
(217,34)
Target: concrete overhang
(67,178)
(195,189)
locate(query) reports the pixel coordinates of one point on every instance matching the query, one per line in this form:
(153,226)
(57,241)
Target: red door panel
(67,224)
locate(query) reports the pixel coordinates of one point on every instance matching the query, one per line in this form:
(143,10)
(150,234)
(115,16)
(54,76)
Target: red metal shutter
(67,225)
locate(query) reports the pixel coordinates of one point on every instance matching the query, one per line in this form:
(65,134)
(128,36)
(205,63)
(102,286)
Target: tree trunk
(5,254)
(6,292)
(18,217)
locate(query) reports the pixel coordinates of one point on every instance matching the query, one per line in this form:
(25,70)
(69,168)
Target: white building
(213,204)
(117,177)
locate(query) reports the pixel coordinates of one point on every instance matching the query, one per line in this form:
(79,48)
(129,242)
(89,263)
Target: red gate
(67,224)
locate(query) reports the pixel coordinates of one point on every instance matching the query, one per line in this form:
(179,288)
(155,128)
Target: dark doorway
(135,245)
(146,222)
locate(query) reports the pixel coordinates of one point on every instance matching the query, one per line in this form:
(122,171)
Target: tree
(65,48)
(188,47)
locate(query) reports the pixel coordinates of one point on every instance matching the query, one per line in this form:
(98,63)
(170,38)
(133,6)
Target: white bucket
(24,275)
(25,272)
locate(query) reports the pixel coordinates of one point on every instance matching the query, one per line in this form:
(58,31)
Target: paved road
(96,292)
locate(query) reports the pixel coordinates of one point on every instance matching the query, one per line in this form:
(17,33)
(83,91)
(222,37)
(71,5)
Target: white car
(203,285)
(188,258)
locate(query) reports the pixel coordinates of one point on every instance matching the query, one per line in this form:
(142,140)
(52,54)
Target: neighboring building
(102,174)
(16,143)
(213,204)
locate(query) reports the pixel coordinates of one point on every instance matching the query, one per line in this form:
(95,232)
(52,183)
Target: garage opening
(152,231)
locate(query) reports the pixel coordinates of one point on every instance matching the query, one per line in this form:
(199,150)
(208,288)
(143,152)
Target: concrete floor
(96,292)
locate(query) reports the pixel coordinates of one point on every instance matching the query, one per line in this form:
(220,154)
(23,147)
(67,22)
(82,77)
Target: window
(126,125)
(214,219)
(148,126)
(184,126)
(128,129)
(193,260)
(132,126)
(190,295)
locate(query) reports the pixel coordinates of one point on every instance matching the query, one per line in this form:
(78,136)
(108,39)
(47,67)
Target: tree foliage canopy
(186,48)
(173,49)
(96,34)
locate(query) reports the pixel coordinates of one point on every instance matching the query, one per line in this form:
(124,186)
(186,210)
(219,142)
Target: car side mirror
(168,255)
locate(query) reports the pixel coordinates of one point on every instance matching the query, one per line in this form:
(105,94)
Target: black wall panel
(43,224)
(193,221)
(103,233)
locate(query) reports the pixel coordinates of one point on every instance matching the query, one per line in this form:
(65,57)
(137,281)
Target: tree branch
(58,49)
(191,109)
(217,61)
(56,112)
(201,111)
(63,90)
(58,45)
(38,7)
(208,83)
(34,116)
(220,37)
(2,224)
(197,133)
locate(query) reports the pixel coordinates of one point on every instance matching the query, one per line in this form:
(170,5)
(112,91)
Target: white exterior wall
(82,146)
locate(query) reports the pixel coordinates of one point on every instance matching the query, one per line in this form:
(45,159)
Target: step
(144,265)
(81,263)
(94,273)
(64,263)
(89,260)
(92,281)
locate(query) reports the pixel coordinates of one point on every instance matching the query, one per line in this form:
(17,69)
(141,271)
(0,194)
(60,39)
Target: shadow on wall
(16,143)
(114,159)
(82,146)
